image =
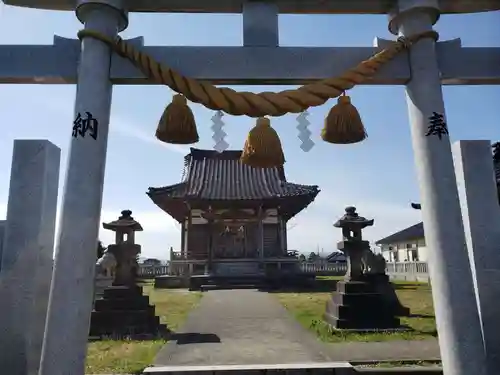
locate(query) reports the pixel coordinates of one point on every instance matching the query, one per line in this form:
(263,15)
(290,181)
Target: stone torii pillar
(457,318)
(71,299)
(70,304)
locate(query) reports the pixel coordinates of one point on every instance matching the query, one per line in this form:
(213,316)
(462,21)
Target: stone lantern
(125,250)
(363,300)
(124,310)
(352,244)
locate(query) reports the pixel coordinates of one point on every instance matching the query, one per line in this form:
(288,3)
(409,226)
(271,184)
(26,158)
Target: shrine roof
(210,175)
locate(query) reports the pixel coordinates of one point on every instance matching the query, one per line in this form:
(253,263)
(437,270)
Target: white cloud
(313,228)
(63,106)
(127,129)
(160,230)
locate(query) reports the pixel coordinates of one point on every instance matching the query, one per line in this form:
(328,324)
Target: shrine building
(233,217)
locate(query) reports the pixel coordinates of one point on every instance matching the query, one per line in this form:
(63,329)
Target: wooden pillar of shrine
(210,245)
(281,233)
(281,236)
(187,241)
(260,233)
(183,239)
(285,238)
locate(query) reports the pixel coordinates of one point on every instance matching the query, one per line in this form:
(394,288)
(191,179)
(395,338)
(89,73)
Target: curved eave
(284,6)
(175,206)
(291,206)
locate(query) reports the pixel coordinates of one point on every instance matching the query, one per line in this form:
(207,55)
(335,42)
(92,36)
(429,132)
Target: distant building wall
(408,251)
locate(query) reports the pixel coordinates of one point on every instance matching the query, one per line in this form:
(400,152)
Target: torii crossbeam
(423,70)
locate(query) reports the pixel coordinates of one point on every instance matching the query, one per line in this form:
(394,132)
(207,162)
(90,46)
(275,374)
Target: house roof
(213,176)
(411,233)
(336,256)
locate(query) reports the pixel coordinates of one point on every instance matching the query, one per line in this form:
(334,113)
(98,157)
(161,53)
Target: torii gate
(95,70)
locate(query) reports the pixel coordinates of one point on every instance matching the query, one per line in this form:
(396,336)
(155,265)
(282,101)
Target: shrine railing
(177,255)
(323,268)
(404,271)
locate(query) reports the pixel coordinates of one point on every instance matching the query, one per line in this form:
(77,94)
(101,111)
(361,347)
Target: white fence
(323,268)
(406,271)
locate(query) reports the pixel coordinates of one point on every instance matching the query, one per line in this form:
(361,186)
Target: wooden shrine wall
(198,240)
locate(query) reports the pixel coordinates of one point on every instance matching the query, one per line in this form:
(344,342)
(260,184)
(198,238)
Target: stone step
(207,287)
(138,331)
(332,368)
(137,303)
(237,268)
(124,318)
(362,301)
(120,292)
(380,310)
(369,323)
(353,287)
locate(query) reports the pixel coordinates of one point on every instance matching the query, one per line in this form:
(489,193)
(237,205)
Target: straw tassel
(343,125)
(177,124)
(263,147)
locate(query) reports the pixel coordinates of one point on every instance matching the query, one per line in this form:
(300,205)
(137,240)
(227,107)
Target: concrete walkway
(239,327)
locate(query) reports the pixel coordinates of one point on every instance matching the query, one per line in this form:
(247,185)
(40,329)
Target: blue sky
(377,176)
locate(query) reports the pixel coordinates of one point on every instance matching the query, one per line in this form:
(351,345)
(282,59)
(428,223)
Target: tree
(312,256)
(302,258)
(496,152)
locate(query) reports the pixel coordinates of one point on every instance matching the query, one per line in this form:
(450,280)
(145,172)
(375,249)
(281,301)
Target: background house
(336,257)
(151,262)
(407,245)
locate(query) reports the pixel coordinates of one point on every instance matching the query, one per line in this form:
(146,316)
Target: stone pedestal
(125,255)
(124,311)
(358,305)
(383,286)
(354,253)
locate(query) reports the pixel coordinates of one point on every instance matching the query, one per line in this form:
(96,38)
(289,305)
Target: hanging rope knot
(405,42)
(177,124)
(262,148)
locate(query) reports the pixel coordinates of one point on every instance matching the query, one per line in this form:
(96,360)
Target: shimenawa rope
(252,104)
(262,149)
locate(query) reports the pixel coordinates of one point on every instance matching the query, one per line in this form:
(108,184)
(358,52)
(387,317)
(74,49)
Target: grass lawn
(308,309)
(130,357)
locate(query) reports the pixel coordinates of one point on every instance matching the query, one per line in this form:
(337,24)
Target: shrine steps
(215,282)
(257,281)
(208,287)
